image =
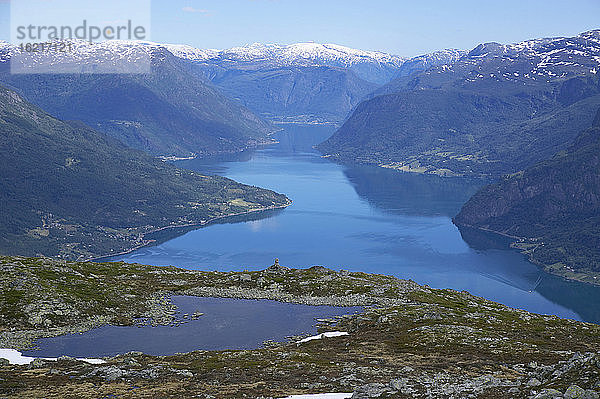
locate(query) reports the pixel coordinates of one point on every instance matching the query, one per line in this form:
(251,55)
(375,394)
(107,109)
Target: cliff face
(557,200)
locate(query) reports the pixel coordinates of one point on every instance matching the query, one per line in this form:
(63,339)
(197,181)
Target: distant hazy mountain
(497,109)
(307,82)
(417,65)
(556,202)
(371,66)
(299,83)
(68,191)
(169,111)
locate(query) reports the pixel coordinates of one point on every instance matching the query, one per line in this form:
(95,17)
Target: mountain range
(304,82)
(199,102)
(168,111)
(372,66)
(498,109)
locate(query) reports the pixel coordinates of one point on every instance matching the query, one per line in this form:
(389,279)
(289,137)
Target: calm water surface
(226,324)
(365,219)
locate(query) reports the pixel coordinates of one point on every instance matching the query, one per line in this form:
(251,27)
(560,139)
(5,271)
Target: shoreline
(258,144)
(585,278)
(489,178)
(158,310)
(183,226)
(410,340)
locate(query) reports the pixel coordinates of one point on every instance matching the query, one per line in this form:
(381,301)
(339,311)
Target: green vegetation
(68,191)
(495,111)
(417,342)
(552,206)
(120,292)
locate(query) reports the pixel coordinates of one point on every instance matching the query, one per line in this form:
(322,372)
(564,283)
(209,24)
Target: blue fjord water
(344,217)
(367,219)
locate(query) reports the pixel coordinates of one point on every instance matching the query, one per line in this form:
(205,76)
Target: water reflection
(224,324)
(409,193)
(571,294)
(365,219)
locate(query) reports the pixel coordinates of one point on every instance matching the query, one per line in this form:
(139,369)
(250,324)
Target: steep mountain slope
(169,111)
(498,109)
(307,83)
(304,82)
(68,191)
(311,94)
(556,203)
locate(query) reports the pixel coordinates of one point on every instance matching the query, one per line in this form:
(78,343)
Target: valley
(434,219)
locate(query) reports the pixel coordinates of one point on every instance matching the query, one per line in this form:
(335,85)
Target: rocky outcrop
(408,341)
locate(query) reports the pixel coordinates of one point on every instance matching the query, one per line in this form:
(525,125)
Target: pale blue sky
(401,27)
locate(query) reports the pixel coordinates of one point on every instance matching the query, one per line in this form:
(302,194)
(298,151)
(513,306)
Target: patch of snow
(293,54)
(324,335)
(191,53)
(15,357)
(322,396)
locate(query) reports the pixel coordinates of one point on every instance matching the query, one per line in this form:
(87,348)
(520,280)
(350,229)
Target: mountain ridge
(168,111)
(299,54)
(297,83)
(496,110)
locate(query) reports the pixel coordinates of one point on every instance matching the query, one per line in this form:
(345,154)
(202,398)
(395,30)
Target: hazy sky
(401,27)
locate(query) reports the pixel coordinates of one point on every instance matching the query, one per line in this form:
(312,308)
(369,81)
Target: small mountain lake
(363,218)
(225,324)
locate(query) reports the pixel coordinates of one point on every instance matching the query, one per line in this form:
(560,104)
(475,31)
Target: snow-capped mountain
(372,66)
(4,50)
(81,56)
(293,54)
(552,55)
(531,60)
(190,53)
(426,61)
(497,109)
